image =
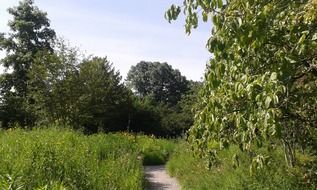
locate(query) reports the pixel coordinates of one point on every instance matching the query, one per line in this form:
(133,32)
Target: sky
(125,31)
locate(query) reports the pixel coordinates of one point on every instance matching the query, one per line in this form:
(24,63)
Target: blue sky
(125,31)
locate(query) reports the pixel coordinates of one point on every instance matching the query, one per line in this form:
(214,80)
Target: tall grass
(192,172)
(56,158)
(155,151)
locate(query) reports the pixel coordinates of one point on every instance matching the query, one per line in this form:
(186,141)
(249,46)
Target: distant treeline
(47,81)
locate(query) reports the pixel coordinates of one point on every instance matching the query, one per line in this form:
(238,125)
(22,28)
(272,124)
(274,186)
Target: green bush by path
(192,173)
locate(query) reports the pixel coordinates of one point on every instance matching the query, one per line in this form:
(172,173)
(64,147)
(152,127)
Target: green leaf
(302,38)
(273,76)
(205,16)
(220,3)
(314,37)
(239,21)
(268,101)
(290,60)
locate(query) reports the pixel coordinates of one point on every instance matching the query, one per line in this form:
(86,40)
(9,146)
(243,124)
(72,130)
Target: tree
(145,117)
(261,82)
(49,84)
(100,100)
(158,80)
(30,33)
(160,119)
(84,93)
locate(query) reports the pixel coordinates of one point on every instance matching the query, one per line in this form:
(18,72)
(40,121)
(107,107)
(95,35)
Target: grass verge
(192,173)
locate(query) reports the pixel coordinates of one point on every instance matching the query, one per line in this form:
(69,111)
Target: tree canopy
(30,33)
(101,101)
(261,82)
(158,80)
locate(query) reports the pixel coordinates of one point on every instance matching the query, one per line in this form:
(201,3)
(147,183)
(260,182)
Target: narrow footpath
(159,179)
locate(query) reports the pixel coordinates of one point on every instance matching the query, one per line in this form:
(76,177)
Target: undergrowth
(193,173)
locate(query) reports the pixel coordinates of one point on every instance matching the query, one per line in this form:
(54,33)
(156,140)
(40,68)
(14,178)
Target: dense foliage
(261,82)
(158,81)
(164,119)
(97,100)
(163,99)
(30,34)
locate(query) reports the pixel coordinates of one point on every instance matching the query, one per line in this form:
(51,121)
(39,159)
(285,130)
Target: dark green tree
(30,33)
(157,80)
(49,83)
(160,119)
(83,93)
(100,100)
(145,117)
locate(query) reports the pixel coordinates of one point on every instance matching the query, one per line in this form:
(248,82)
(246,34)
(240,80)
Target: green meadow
(70,121)
(57,158)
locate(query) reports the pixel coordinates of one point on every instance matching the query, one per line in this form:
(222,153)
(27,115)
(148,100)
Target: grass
(55,158)
(155,151)
(192,173)
(61,159)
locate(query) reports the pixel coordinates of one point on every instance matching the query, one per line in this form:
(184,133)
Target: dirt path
(159,178)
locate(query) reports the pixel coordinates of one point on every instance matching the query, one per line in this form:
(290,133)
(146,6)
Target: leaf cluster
(260,84)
